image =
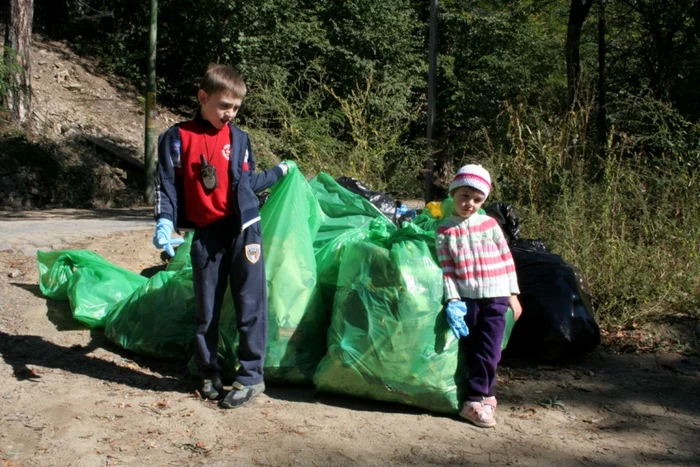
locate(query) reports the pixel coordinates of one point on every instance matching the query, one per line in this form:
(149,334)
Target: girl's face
(467,201)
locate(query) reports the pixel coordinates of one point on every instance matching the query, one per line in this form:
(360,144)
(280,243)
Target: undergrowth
(629,219)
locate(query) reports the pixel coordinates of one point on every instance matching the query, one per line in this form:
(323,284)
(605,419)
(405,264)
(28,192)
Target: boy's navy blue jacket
(244,183)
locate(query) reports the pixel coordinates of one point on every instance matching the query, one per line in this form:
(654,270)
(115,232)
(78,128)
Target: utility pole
(432,90)
(150,143)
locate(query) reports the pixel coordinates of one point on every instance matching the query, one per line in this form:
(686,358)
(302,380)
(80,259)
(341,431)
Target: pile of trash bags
(557,324)
(354,300)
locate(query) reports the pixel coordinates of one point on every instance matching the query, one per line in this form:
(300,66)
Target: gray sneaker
(241,395)
(212,388)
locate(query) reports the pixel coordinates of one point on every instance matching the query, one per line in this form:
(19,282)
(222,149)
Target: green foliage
(297,128)
(332,85)
(658,130)
(654,46)
(487,54)
(355,137)
(631,229)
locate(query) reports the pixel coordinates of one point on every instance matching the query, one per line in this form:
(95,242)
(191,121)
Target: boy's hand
(456,310)
(286,166)
(162,237)
(515,306)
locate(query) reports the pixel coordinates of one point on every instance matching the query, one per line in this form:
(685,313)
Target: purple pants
(486,320)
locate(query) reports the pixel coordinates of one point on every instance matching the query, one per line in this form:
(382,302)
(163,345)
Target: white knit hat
(472,175)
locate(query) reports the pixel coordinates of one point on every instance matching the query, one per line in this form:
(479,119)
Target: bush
(358,135)
(629,221)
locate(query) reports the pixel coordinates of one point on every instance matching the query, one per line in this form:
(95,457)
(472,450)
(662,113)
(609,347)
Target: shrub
(629,221)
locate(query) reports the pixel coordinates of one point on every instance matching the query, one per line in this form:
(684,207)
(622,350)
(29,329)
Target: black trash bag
(385,203)
(509,222)
(507,219)
(530,244)
(263,197)
(557,323)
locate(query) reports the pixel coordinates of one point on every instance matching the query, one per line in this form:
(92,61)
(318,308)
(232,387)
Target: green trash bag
(342,209)
(157,320)
(329,256)
(297,323)
(328,259)
(92,284)
(346,219)
(389,339)
(182,259)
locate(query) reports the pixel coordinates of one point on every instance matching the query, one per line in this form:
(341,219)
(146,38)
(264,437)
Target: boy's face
(219,107)
(467,201)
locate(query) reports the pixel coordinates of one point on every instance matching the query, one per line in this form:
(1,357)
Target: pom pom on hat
(472,175)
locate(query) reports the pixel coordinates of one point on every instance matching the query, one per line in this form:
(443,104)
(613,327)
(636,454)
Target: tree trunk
(18,33)
(577,15)
(602,85)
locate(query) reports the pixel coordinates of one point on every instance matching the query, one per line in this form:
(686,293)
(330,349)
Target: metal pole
(150,143)
(432,88)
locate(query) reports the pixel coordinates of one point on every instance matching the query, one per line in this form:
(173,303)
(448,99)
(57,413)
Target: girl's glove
(161,239)
(456,311)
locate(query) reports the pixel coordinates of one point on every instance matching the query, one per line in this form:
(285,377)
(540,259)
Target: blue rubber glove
(162,237)
(456,311)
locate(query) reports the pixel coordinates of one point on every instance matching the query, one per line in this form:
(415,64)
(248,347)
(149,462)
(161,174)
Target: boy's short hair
(223,78)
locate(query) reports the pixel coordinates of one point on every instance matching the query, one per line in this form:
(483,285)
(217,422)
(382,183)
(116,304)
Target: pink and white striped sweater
(475,259)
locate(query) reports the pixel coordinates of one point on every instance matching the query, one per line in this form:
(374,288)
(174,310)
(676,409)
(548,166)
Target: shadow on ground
(21,351)
(309,394)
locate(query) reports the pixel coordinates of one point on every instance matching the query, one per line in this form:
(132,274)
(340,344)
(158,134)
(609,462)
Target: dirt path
(55,229)
(69,397)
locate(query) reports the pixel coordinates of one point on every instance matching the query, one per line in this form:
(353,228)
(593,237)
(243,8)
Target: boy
(205,179)
(480,284)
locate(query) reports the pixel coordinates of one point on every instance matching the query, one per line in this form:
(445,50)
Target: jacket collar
(199,120)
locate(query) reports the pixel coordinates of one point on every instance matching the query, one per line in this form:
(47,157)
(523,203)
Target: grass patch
(630,221)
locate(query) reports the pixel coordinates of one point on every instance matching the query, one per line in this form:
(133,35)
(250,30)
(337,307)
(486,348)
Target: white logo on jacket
(252,252)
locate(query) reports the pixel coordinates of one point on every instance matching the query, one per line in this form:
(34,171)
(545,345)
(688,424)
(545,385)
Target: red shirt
(203,206)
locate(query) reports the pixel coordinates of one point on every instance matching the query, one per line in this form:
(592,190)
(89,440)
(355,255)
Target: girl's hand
(515,306)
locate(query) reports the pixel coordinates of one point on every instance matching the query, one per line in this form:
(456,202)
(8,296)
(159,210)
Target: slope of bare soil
(70,98)
(86,148)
